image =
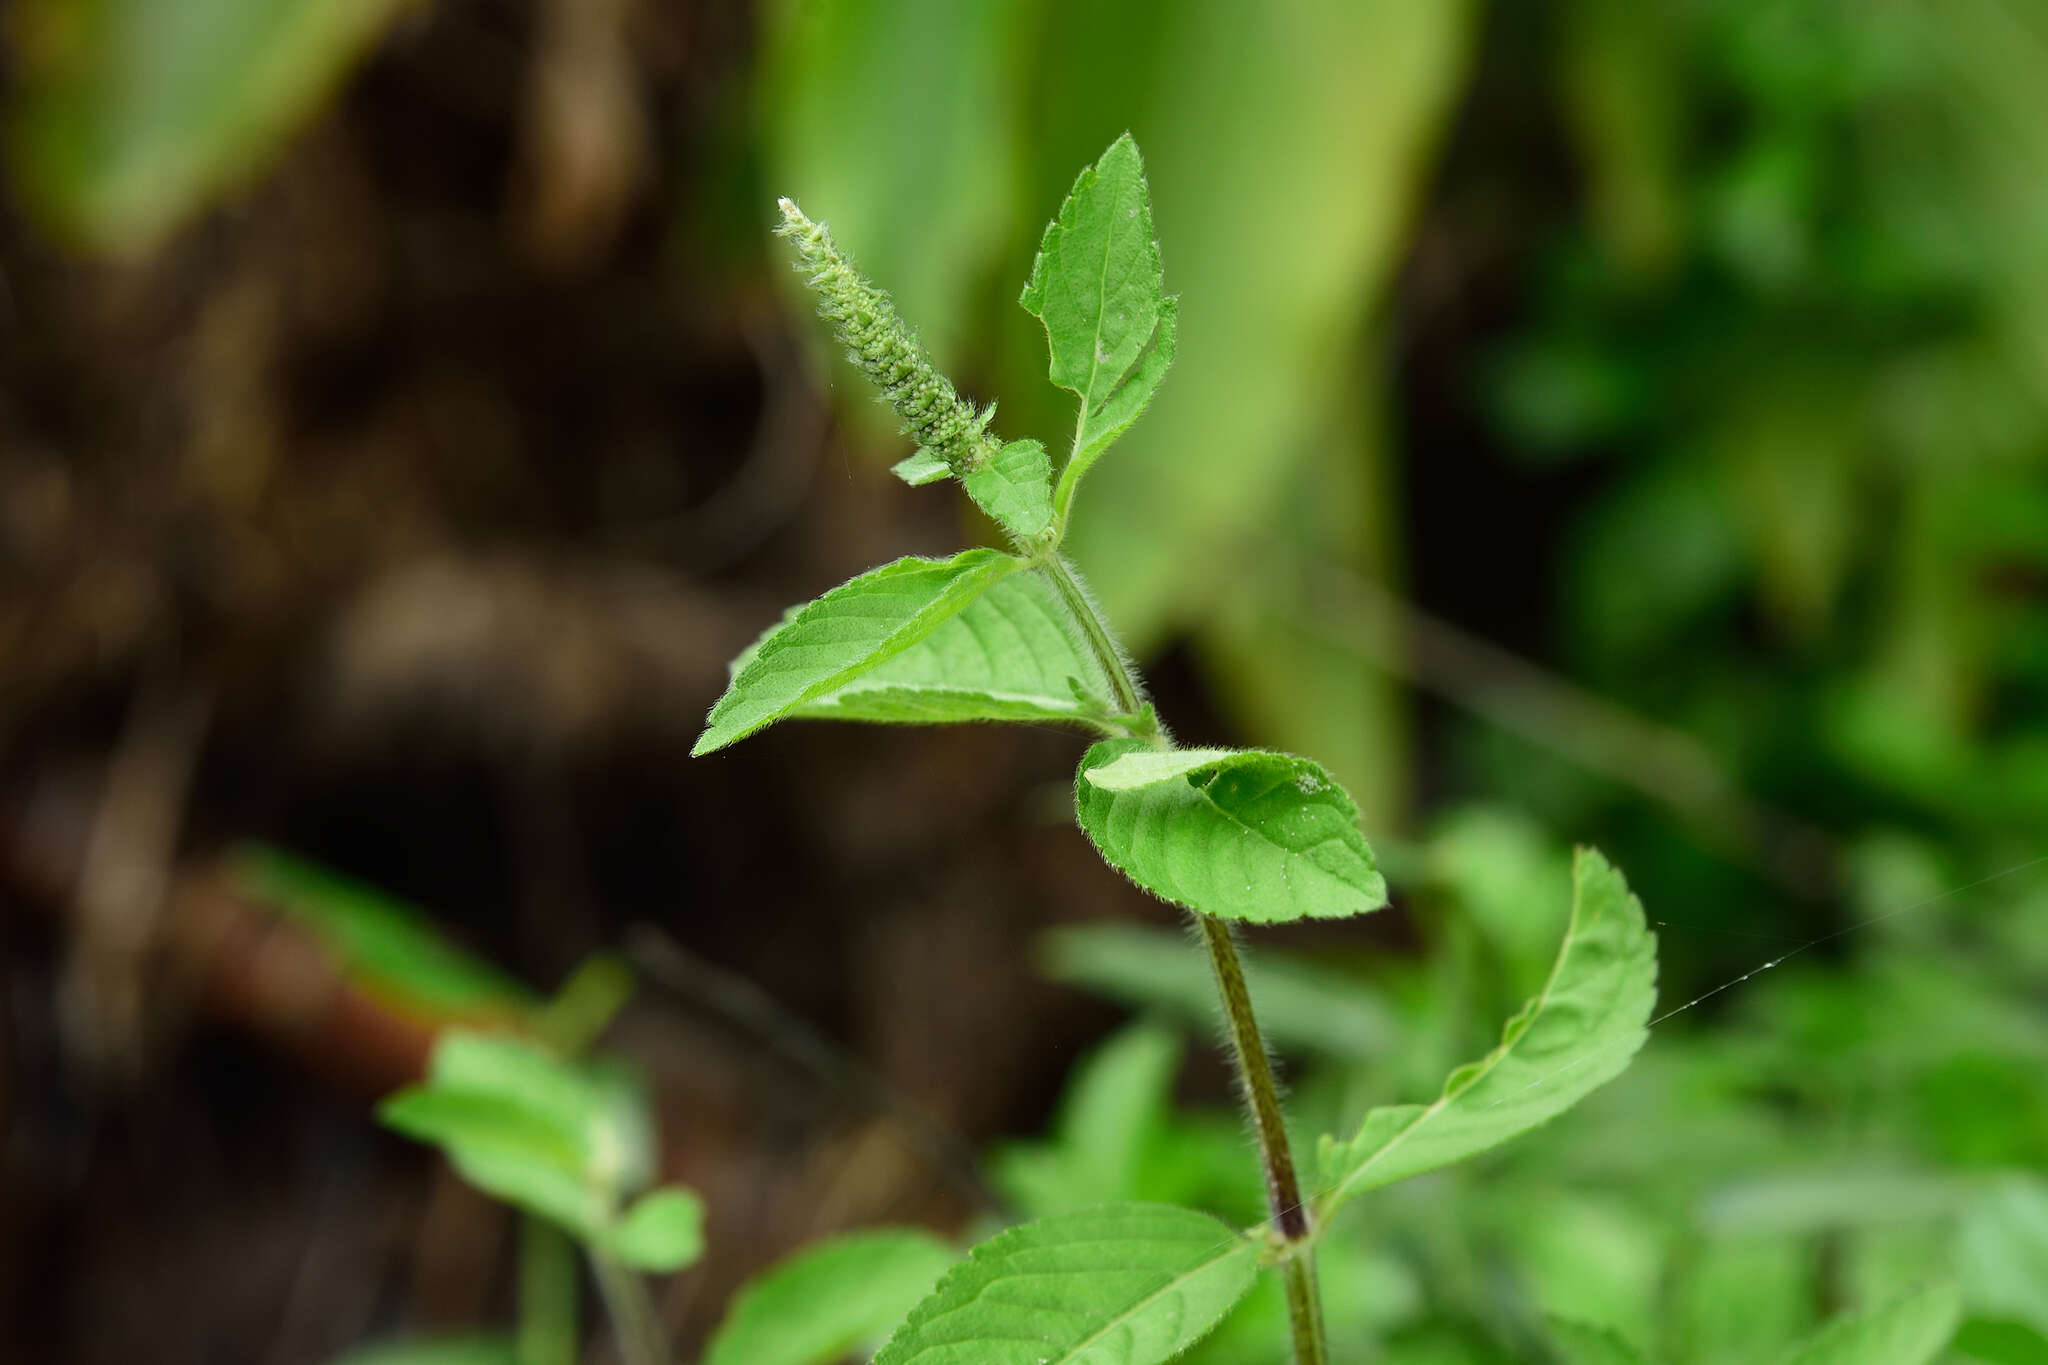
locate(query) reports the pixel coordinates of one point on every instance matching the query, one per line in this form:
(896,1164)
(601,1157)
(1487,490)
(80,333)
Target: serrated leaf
(1238,833)
(1909,1330)
(1579,1033)
(1015,489)
(854,628)
(1011,654)
(663,1230)
(829,1300)
(1098,288)
(920,468)
(1122,1284)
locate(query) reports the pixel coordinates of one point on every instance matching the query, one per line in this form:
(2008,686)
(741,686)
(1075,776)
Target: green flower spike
(882,345)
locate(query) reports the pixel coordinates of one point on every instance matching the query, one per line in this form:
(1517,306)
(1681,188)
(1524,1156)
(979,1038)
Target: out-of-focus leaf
(1121,1284)
(1301,1003)
(889,115)
(1511,878)
(829,1300)
(1991,1342)
(1580,1344)
(1906,1331)
(1237,833)
(133,113)
(586,1004)
(1115,1107)
(2002,1255)
(491,1349)
(1574,1037)
(391,948)
(1624,89)
(662,1230)
(1813,1201)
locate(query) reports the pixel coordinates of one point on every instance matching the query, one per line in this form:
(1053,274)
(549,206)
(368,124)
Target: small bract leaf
(1015,488)
(1909,1330)
(1567,1042)
(662,1231)
(1098,288)
(921,468)
(1239,833)
(850,630)
(1120,1284)
(1011,654)
(830,1300)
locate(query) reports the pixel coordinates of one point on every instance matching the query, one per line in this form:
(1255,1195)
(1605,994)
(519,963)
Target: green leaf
(2002,1251)
(830,1300)
(1012,655)
(1301,1003)
(1579,1033)
(850,630)
(491,1349)
(1015,488)
(1121,1284)
(1098,288)
(1910,1330)
(662,1231)
(133,113)
(1116,1104)
(557,1139)
(1581,1344)
(386,946)
(921,468)
(1238,833)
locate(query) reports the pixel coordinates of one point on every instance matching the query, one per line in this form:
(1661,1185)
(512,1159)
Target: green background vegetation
(1606,422)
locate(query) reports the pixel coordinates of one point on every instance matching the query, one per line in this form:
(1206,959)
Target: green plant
(1230,835)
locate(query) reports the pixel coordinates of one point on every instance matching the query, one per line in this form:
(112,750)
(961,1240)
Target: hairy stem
(1305,1308)
(1106,653)
(1248,1047)
(631,1310)
(1255,1072)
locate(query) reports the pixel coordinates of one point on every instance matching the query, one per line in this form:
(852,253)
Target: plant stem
(1106,653)
(1304,1307)
(547,1295)
(1254,1067)
(632,1312)
(1255,1072)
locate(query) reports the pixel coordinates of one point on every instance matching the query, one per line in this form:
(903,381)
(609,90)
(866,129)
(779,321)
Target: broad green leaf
(850,630)
(389,948)
(921,468)
(1581,1344)
(1579,1033)
(132,113)
(662,1230)
(1910,1330)
(1238,833)
(492,1349)
(830,1300)
(1988,1341)
(1098,288)
(1301,1003)
(1015,489)
(1121,1284)
(1012,654)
